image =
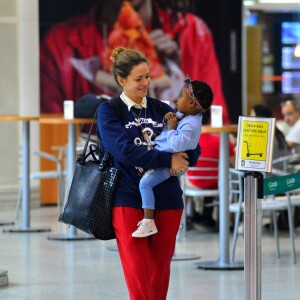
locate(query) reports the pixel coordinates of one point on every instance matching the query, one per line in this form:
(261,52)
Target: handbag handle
(81,159)
(91,153)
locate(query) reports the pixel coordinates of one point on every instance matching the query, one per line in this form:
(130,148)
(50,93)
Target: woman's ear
(121,81)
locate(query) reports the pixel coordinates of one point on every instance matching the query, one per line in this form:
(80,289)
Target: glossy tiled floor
(42,269)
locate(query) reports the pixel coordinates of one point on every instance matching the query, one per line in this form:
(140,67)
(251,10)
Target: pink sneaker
(146,227)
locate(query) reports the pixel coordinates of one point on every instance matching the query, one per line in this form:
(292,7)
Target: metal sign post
(252,220)
(254,155)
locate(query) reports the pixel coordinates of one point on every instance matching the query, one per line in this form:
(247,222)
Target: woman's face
(136,85)
(144,8)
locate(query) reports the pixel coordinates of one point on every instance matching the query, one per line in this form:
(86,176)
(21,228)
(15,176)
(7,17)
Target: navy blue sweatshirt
(133,149)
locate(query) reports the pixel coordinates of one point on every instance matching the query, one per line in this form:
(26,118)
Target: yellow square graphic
(254,140)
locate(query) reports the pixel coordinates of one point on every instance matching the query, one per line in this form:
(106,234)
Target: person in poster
(74,54)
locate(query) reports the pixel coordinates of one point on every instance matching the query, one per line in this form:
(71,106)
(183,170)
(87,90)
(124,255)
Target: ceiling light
(249,2)
(278,1)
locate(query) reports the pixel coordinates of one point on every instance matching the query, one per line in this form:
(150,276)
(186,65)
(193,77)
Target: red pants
(146,261)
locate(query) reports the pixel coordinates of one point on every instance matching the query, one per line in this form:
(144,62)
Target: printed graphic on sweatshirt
(146,136)
(140,121)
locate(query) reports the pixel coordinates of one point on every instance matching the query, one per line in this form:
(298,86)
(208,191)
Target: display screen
(291,82)
(289,60)
(290,32)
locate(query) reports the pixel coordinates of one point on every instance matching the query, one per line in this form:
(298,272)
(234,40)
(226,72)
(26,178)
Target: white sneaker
(146,227)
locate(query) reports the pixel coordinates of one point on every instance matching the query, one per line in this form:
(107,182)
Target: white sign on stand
(255,144)
(216,116)
(69,109)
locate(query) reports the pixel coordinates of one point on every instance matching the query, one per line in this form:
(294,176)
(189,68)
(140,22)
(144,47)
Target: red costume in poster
(70,59)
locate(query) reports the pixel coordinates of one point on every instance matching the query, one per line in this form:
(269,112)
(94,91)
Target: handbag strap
(81,159)
(118,104)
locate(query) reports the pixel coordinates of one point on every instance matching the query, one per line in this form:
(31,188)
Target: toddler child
(182,133)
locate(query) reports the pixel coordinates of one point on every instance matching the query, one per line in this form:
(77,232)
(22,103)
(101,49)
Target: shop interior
(257,44)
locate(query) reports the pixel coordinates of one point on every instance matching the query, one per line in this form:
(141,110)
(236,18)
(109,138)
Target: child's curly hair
(203,93)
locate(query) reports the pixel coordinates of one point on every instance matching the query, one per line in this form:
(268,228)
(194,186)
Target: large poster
(75,48)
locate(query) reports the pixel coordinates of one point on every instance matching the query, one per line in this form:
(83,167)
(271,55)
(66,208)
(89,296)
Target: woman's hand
(104,78)
(165,45)
(179,163)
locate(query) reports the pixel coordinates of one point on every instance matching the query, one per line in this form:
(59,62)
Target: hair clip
(190,92)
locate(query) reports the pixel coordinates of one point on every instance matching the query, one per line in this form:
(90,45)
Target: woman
(146,262)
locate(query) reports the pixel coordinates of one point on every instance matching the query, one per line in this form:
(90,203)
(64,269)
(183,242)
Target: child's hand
(169,115)
(172,122)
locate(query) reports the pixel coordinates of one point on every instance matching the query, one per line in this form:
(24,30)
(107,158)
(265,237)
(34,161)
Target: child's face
(184,102)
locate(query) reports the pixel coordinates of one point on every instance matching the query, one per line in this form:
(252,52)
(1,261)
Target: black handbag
(89,204)
(86,105)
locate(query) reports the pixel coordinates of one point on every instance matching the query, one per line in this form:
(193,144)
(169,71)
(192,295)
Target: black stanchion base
(3,278)
(66,237)
(6,223)
(216,265)
(182,257)
(26,230)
